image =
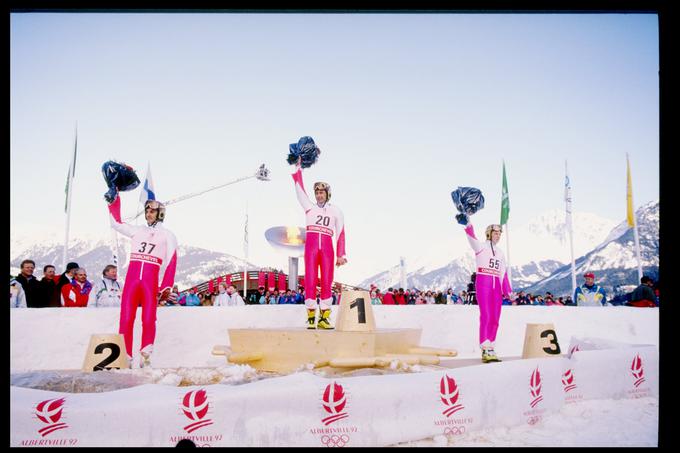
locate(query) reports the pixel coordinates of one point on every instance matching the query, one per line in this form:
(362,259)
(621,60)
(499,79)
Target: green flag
(505,202)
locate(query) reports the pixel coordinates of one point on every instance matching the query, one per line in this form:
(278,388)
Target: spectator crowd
(72,288)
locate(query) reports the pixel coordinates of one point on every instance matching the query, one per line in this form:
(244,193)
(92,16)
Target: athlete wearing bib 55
(491,285)
(324,222)
(153,256)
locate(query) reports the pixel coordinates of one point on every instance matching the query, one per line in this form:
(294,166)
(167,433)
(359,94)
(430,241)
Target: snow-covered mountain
(539,247)
(613,261)
(195,265)
(546,237)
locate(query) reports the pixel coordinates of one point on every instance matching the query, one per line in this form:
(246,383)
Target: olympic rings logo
(335,440)
(454,431)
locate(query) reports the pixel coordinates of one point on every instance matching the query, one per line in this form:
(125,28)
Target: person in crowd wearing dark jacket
(254,298)
(30,285)
(643,295)
(67,276)
(49,291)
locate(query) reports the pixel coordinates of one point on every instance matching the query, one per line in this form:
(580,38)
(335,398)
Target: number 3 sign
(540,340)
(105,351)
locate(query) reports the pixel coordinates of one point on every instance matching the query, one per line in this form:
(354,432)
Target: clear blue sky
(405,108)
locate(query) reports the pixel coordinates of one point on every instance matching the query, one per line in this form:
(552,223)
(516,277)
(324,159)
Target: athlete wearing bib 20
(153,255)
(491,285)
(324,222)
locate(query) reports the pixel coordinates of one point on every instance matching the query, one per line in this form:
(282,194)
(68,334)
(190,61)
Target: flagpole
(69,182)
(505,213)
(631,218)
(507,247)
(567,201)
(245,252)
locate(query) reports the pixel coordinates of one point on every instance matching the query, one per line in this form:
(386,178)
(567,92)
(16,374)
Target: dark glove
(463,219)
(110,195)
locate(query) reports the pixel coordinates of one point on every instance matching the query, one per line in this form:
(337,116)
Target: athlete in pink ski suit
(153,253)
(324,221)
(491,282)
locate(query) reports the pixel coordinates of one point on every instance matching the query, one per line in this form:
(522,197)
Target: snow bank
(57,338)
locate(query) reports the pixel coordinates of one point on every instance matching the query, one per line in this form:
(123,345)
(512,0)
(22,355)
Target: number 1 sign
(356,312)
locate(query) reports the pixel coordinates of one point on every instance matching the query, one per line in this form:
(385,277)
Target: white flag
(148,192)
(567,197)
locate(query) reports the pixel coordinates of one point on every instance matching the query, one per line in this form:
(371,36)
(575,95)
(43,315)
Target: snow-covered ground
(591,423)
(54,341)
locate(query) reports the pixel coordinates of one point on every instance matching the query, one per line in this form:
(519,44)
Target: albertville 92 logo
(195,406)
(448,391)
(334,401)
(535,387)
(568,381)
(49,412)
(637,370)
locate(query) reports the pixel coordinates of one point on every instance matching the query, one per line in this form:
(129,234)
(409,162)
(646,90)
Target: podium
(354,343)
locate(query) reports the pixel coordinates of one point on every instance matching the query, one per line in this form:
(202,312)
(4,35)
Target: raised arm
(302,197)
(115,220)
(476,245)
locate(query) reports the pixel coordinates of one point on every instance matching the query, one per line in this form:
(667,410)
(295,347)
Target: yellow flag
(629,197)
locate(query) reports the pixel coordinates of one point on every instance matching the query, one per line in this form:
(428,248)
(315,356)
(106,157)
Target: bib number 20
(323,220)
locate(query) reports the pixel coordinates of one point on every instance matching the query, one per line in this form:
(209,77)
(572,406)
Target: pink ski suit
(323,223)
(153,252)
(488,284)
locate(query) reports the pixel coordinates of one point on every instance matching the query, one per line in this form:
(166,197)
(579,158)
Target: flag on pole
(570,229)
(245,238)
(148,192)
(629,197)
(567,196)
(505,202)
(71,173)
(245,253)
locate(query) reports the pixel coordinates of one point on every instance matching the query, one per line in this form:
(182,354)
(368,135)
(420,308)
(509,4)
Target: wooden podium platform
(285,350)
(355,343)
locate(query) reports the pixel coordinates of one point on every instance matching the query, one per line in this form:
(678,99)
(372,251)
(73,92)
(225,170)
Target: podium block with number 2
(106,351)
(355,312)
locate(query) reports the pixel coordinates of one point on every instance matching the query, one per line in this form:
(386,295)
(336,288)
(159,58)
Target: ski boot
(489,355)
(145,357)
(324,323)
(311,319)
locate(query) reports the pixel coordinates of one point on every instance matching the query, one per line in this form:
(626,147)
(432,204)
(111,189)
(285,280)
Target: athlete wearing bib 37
(153,255)
(491,285)
(324,222)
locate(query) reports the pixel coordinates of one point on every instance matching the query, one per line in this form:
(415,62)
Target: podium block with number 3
(355,312)
(540,340)
(106,351)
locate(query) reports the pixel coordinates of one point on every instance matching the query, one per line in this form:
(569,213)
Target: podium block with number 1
(355,312)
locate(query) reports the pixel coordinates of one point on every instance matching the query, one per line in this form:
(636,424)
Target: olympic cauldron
(291,240)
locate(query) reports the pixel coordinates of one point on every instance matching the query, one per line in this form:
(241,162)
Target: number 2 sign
(106,351)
